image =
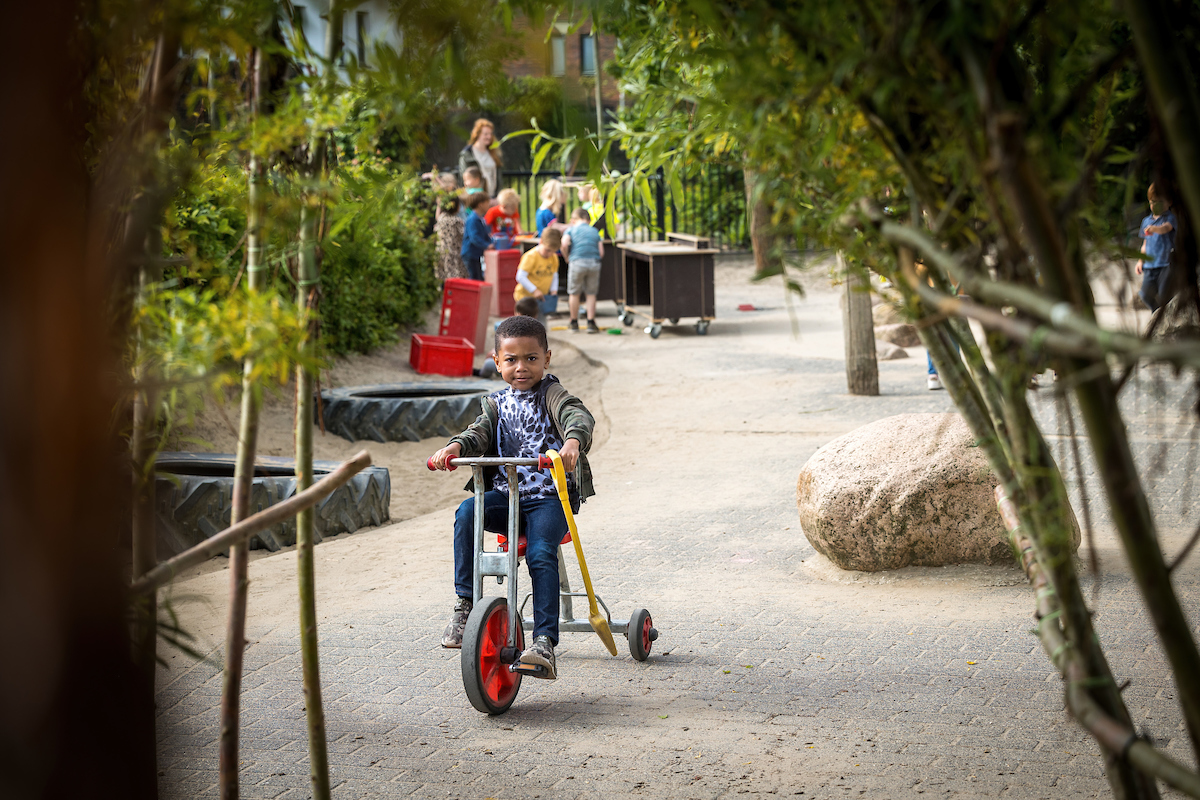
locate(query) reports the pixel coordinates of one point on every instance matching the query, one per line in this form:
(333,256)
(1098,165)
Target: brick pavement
(769,679)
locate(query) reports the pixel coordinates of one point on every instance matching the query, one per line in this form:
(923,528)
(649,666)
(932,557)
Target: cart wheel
(654,330)
(674,320)
(490,687)
(641,634)
(701,328)
(627,318)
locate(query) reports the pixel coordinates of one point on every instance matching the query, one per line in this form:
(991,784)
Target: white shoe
(934,383)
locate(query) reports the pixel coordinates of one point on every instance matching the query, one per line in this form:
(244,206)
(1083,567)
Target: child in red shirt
(504,219)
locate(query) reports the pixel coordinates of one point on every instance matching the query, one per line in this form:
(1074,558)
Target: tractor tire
(194,500)
(403,412)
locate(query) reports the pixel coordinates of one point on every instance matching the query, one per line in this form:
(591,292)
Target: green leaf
(540,156)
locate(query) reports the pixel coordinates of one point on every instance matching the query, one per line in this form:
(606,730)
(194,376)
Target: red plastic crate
(501,273)
(465,307)
(441,355)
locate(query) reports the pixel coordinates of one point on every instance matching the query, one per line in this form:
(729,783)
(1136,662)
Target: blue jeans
(544,526)
(474,268)
(1155,287)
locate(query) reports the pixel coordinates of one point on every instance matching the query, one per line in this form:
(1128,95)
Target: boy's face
(522,362)
(470,181)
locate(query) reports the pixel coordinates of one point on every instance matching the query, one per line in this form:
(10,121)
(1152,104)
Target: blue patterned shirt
(525,430)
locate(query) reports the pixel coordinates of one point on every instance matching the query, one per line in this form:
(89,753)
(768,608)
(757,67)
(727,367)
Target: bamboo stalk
(273,515)
(243,479)
(307,284)
(1119,739)
(1110,443)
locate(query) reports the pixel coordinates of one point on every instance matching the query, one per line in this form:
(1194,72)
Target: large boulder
(899,333)
(886,351)
(908,490)
(887,314)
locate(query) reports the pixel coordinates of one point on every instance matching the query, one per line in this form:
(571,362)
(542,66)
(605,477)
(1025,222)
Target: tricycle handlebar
(541,462)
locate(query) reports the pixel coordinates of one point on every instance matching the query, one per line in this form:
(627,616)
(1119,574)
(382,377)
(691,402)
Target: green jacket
(571,420)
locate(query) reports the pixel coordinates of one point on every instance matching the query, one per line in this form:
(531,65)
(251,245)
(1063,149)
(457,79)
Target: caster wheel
(654,330)
(642,634)
(701,328)
(490,687)
(627,318)
(674,320)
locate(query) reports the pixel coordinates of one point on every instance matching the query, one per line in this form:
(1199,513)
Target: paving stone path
(773,676)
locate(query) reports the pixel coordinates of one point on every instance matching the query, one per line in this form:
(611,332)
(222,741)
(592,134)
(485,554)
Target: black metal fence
(711,202)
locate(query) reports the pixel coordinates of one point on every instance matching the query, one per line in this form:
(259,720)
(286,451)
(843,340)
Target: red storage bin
(501,273)
(441,355)
(465,307)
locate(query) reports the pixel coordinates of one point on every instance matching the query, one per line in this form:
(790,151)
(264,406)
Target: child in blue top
(534,414)
(583,248)
(1158,240)
(477,237)
(554,197)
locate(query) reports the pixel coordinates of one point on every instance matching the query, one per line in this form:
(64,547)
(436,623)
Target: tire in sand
(194,500)
(403,412)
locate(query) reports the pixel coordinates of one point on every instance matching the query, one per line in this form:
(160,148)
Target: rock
(886,351)
(908,490)
(886,314)
(900,333)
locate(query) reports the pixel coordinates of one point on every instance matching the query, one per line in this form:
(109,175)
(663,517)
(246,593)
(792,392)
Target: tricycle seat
(502,541)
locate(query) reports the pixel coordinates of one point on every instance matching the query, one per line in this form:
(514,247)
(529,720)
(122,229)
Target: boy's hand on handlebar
(445,454)
(570,454)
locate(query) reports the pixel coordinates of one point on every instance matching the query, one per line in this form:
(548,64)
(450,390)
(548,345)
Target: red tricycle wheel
(490,687)
(639,637)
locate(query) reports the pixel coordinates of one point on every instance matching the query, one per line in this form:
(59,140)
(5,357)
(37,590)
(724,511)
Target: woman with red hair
(483,151)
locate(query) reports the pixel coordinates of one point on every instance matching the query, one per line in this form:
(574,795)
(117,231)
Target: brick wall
(535,60)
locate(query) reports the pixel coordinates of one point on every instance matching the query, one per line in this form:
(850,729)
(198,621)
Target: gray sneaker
(452,638)
(573,325)
(592,327)
(541,654)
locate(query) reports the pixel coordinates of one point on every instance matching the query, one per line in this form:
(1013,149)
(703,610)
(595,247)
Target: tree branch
(1120,739)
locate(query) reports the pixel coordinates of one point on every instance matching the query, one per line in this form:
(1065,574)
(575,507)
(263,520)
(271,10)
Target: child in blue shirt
(583,248)
(477,237)
(1158,240)
(553,198)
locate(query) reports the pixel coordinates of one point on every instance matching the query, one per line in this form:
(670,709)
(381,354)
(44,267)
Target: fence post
(660,204)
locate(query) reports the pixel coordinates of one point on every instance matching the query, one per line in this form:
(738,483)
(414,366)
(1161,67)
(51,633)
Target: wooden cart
(673,279)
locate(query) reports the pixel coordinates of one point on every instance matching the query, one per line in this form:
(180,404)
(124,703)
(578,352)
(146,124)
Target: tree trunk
(75,720)
(243,481)
(763,239)
(862,371)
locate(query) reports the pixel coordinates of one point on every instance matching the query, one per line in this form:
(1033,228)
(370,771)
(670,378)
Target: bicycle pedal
(529,670)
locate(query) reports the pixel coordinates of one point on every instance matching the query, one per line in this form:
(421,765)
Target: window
(558,56)
(587,54)
(360,33)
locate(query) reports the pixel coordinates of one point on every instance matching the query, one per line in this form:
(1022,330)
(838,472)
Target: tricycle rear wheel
(490,686)
(641,634)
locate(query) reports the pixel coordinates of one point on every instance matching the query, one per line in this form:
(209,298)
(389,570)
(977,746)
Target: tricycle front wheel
(489,684)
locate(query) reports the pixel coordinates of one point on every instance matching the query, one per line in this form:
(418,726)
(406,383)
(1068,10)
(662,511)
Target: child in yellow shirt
(537,274)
